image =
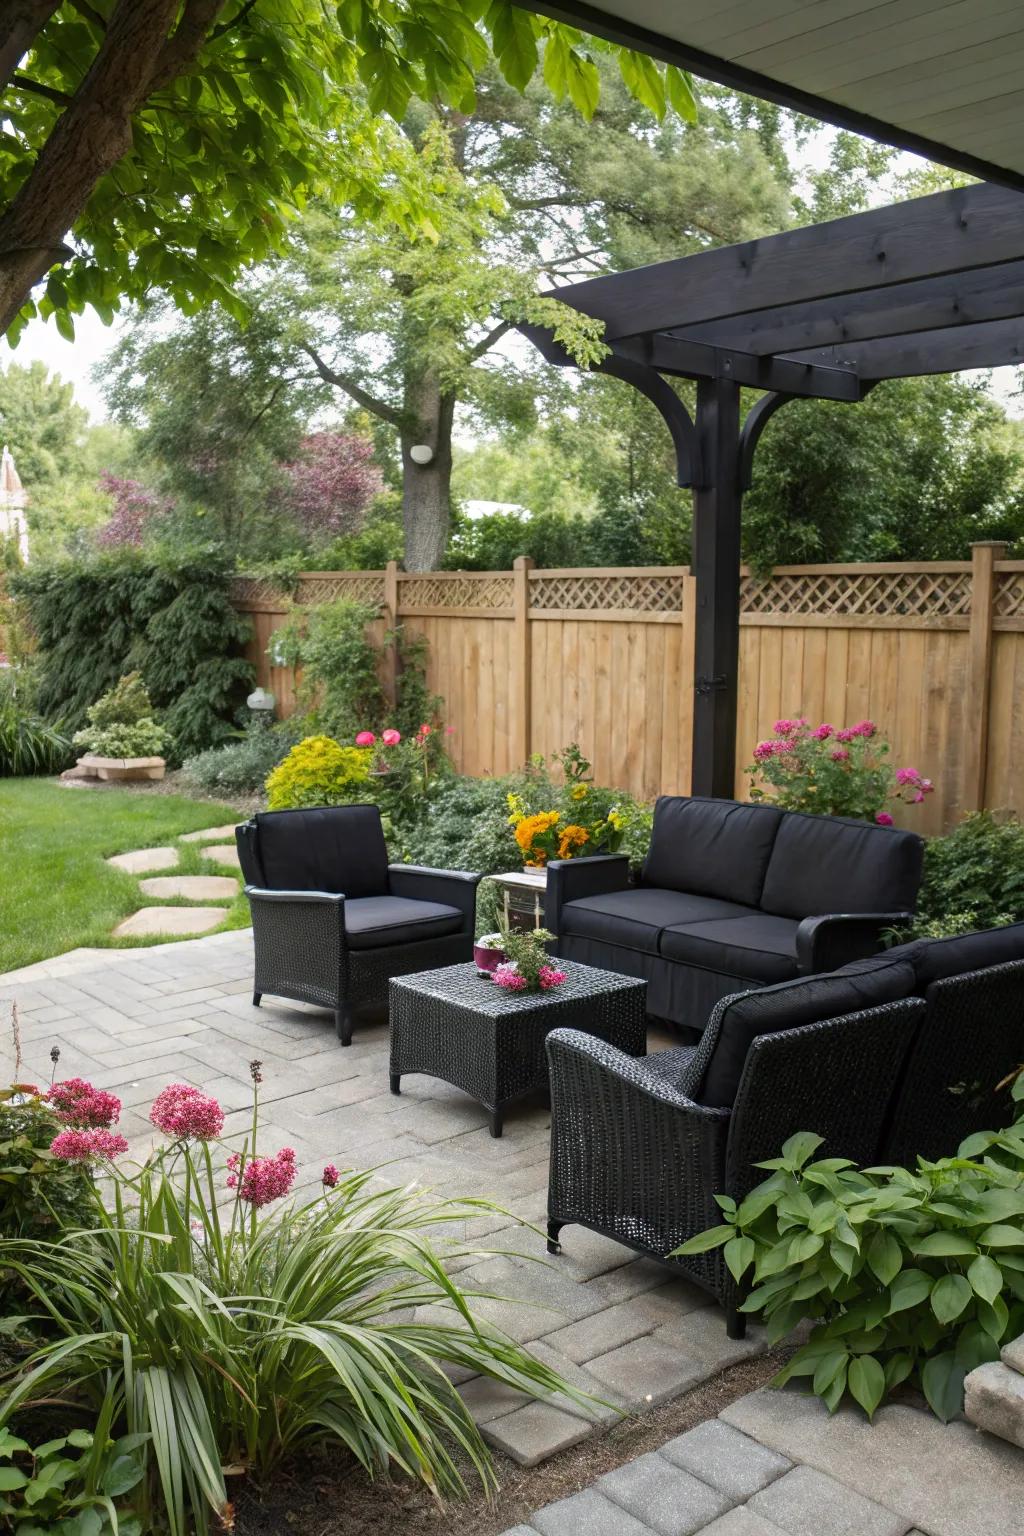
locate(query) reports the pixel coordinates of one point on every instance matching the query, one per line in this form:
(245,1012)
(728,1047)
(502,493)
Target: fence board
(608,655)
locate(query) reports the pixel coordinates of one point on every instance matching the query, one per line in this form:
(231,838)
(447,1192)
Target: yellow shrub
(318,771)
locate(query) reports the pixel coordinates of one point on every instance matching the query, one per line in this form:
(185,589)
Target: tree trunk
(426,488)
(19,24)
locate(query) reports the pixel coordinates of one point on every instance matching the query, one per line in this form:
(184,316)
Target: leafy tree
(413,328)
(134,508)
(331,483)
(168,143)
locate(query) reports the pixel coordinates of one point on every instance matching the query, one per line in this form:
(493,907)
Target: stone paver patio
(614,1324)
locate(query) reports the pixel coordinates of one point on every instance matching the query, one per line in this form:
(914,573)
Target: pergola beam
(903,309)
(949,232)
(827,380)
(991,345)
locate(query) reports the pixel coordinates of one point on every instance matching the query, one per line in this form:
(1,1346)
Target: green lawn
(56,893)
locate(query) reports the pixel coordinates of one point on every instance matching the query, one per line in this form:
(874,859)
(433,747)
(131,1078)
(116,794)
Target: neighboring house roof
(945,80)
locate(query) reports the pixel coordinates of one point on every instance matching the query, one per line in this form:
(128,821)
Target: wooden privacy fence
(529,660)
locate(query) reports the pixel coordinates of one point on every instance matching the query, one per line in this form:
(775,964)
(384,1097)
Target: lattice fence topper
(361,587)
(662,593)
(1008,601)
(924,594)
(456,591)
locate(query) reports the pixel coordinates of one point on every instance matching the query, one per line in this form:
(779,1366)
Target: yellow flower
(579,793)
(572,837)
(616,820)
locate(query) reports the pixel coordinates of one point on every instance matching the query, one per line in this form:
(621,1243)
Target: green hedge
(170,619)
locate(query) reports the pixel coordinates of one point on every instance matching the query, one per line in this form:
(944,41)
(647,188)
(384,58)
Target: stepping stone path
(144,859)
(183,921)
(210,834)
(192,887)
(222,853)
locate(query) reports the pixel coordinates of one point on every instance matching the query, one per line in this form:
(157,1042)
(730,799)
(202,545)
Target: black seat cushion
(825,864)
(374,921)
(337,848)
(718,1064)
(713,847)
(635,918)
(755,946)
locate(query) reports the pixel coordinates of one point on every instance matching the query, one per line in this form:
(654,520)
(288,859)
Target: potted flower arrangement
(544,835)
(488,953)
(122,740)
(527,966)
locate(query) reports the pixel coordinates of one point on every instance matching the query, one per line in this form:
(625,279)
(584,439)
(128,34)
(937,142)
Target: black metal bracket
(704,685)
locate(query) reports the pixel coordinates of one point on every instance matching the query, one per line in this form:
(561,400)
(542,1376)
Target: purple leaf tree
(330,485)
(133,508)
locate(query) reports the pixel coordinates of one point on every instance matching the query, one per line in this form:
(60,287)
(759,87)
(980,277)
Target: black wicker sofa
(733,896)
(888,1058)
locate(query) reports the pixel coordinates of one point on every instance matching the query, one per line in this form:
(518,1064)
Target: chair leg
(257,998)
(735,1324)
(343,1024)
(554,1227)
(396,1082)
(497,1120)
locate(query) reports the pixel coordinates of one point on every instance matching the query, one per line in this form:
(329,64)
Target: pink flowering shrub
(184,1113)
(832,771)
(76,1102)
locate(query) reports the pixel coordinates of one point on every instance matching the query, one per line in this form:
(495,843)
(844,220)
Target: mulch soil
(326,1496)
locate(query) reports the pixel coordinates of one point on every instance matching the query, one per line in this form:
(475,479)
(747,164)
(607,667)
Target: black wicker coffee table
(456,1025)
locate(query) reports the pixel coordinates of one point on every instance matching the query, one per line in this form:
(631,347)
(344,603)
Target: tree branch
(485,343)
(23,83)
(21,22)
(352,388)
(226,26)
(90,13)
(182,47)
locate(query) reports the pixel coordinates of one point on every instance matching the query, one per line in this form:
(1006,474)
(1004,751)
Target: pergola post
(716,565)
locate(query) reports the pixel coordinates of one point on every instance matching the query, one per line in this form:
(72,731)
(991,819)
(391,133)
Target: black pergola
(928,286)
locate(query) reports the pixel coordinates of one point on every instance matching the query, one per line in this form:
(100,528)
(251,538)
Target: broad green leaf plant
(907,1275)
(229,117)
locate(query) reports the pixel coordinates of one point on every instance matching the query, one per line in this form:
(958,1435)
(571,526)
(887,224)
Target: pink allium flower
(365,739)
(764,749)
(884,819)
(76,1102)
(89,1146)
(507,975)
(183,1112)
(330,1176)
(823,732)
(840,755)
(391,738)
(550,977)
(267,1178)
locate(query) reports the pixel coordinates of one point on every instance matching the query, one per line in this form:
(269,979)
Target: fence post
(979,674)
(521,568)
(390,616)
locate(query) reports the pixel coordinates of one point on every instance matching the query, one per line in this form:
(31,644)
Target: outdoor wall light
(421,453)
(260,701)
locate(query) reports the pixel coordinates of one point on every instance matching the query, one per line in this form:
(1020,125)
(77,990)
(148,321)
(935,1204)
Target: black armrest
(573,879)
(255,893)
(825,943)
(452,887)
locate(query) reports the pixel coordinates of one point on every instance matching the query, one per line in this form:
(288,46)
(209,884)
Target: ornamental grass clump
(907,1275)
(832,771)
(224,1330)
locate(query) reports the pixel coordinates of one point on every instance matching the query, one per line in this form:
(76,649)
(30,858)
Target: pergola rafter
(933,285)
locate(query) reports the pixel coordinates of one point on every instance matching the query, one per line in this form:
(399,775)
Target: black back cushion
(711,847)
(935,959)
(337,848)
(827,864)
(789,1004)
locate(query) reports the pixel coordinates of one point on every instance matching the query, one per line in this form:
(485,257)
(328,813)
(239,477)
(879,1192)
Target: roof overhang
(943,80)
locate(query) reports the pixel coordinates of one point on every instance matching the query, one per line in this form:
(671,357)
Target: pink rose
(884,819)
(365,739)
(391,738)
(864,728)
(785,727)
(823,732)
(764,749)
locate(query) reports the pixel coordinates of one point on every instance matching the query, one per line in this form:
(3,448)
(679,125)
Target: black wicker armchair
(333,921)
(639,1148)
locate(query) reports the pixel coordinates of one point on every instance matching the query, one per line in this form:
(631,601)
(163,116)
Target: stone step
(994,1399)
(183,921)
(192,887)
(142,860)
(210,834)
(222,853)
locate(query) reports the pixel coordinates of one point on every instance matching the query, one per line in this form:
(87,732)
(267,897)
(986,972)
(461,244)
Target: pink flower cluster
(390,738)
(507,975)
(76,1102)
(87,1146)
(264,1178)
(183,1112)
(913,786)
(550,977)
(330,1176)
